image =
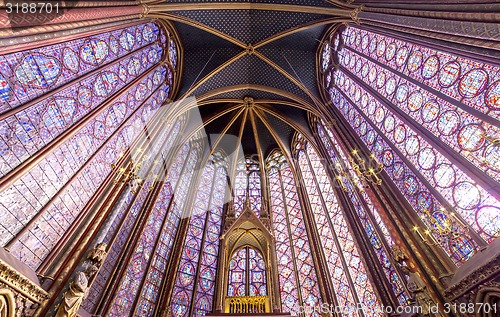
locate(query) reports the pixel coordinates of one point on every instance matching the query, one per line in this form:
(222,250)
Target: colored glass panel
(88,155)
(38,125)
(237,274)
(203,301)
(347,270)
(137,266)
(240,188)
(474,84)
(257,273)
(247,273)
(107,267)
(297,271)
(195,281)
(29,74)
(133,204)
(463,193)
(247,184)
(423,202)
(445,121)
(365,212)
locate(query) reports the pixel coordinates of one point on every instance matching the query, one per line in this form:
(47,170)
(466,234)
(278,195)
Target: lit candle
(356,155)
(418,232)
(428,232)
(372,156)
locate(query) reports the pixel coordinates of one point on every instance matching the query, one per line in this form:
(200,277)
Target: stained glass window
(473,83)
(124,299)
(247,185)
(257,273)
(72,108)
(449,121)
(247,273)
(298,279)
(240,188)
(92,164)
(42,122)
(119,215)
(137,267)
(29,74)
(367,213)
(237,274)
(419,111)
(346,268)
(194,287)
(117,246)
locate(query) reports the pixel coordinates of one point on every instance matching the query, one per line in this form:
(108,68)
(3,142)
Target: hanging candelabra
(130,173)
(366,169)
(351,176)
(449,227)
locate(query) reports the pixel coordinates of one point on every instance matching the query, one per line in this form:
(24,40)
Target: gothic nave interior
(250,158)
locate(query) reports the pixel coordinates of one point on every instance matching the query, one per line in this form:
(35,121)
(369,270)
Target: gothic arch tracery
(398,97)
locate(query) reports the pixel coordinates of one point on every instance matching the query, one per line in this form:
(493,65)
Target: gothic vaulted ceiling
(262,49)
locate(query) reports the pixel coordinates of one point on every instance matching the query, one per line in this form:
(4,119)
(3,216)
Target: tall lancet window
(346,268)
(142,276)
(431,118)
(247,186)
(194,289)
(298,279)
(126,210)
(240,187)
(366,211)
(247,273)
(68,111)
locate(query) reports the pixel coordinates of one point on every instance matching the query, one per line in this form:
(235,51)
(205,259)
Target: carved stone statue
(80,284)
(74,297)
(98,254)
(416,286)
(419,291)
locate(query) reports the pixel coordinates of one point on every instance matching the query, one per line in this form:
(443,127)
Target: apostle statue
(79,286)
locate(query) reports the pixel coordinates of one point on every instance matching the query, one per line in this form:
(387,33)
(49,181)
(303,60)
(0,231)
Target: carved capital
(398,254)
(355,14)
(145,10)
(98,254)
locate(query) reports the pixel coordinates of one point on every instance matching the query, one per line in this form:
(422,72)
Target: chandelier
(129,174)
(366,169)
(444,224)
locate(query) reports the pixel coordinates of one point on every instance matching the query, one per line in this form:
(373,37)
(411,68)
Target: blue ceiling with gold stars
(263,49)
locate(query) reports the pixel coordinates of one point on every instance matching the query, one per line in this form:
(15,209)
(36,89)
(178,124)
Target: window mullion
(337,244)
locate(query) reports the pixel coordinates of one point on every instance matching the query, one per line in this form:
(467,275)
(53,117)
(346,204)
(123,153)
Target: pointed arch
(74,107)
(432,126)
(347,271)
(298,280)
